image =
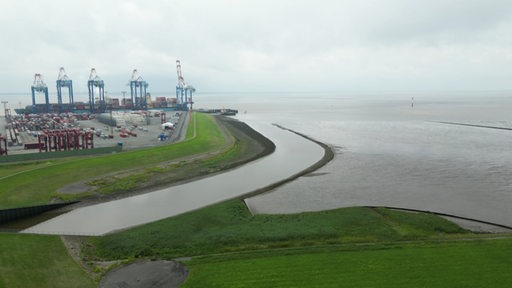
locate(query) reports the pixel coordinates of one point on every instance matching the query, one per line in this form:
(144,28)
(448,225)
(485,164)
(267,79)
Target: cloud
(228,45)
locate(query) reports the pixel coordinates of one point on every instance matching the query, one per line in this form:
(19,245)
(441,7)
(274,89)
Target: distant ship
(228,112)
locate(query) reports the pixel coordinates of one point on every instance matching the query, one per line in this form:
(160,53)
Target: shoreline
(161,203)
(256,146)
(328,156)
(261,147)
(178,276)
(233,130)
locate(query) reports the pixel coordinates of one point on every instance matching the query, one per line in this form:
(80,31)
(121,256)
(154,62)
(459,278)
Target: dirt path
(156,274)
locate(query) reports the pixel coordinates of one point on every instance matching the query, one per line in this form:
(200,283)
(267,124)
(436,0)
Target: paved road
(147,135)
(180,131)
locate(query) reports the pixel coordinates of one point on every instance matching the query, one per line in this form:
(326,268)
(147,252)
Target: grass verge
(38,261)
(482,263)
(229,227)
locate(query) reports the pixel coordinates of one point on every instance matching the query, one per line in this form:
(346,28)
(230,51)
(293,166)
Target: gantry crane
(96,82)
(64,81)
(183,90)
(137,83)
(40,86)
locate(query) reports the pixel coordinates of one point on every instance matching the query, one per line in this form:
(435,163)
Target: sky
(260,46)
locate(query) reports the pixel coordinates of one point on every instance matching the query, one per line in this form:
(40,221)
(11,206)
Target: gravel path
(145,274)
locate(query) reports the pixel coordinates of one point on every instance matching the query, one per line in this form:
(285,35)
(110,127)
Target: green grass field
(348,247)
(229,227)
(38,261)
(481,263)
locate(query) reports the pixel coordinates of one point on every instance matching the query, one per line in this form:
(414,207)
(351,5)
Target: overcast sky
(229,45)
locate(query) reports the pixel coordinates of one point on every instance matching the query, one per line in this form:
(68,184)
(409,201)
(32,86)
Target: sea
(443,152)
(395,149)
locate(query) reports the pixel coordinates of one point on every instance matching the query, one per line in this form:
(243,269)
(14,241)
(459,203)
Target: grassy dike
(38,261)
(348,247)
(229,227)
(42,261)
(206,149)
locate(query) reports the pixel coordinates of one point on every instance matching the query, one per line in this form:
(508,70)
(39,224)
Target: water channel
(293,154)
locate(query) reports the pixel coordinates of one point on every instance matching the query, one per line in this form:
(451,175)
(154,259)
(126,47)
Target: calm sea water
(390,153)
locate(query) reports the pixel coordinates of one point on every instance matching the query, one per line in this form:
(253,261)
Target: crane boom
(136,77)
(64,81)
(181,80)
(183,90)
(94,75)
(62,74)
(39,82)
(40,86)
(95,83)
(138,84)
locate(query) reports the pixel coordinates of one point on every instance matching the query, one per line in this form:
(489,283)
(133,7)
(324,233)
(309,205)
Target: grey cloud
(254,45)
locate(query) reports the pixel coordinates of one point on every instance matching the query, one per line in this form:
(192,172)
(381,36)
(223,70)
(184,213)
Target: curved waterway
(292,155)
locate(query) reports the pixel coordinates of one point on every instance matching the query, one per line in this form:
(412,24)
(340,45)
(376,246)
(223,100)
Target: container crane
(180,89)
(189,88)
(39,86)
(183,90)
(96,82)
(137,83)
(64,81)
